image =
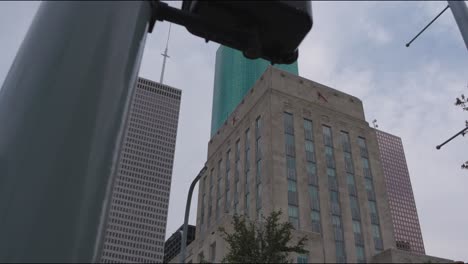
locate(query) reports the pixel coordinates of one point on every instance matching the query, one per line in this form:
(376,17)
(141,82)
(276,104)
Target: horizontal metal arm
(448,140)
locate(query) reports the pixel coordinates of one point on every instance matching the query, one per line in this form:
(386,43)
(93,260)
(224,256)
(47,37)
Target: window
(292,186)
(360,256)
(336,221)
(247,150)
(218,186)
(258,127)
(290,149)
(340,252)
(314,197)
(376,231)
(227,202)
(201,257)
(247,159)
(291,167)
(259,197)
(259,171)
(357,227)
(329,157)
(350,179)
(258,149)
(354,203)
(237,170)
(302,258)
(311,173)
(372,207)
(368,184)
(238,149)
(365,163)
(213,252)
(288,123)
(308,133)
(348,162)
(293,213)
(309,147)
(345,142)
(315,215)
(247,205)
(327,136)
(334,197)
(362,142)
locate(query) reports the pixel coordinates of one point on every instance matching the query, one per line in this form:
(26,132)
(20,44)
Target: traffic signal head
(271,30)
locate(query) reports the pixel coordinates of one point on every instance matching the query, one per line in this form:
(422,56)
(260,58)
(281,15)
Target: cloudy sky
(355,47)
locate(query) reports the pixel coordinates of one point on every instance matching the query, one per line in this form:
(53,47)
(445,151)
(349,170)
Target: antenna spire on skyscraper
(165,55)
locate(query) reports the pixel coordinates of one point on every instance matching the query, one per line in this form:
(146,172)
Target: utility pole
(460,13)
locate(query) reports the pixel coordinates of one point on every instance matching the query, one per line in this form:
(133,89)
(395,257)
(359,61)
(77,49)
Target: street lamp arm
(454,136)
(187,211)
(420,32)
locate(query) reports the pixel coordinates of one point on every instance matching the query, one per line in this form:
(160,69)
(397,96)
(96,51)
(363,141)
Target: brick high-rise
(400,193)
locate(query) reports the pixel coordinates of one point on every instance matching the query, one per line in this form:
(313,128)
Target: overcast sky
(358,48)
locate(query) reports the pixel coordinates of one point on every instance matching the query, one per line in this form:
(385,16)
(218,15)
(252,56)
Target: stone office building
(299,146)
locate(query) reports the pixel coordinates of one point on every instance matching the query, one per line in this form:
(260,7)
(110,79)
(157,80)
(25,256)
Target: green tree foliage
(462,101)
(266,241)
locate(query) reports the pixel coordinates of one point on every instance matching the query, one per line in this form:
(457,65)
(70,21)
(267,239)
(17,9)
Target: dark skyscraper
(400,193)
(234,76)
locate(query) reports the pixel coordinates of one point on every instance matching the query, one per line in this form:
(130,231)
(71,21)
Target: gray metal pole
(61,113)
(186,217)
(460,13)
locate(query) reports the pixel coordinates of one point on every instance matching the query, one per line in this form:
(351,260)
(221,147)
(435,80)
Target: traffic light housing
(271,30)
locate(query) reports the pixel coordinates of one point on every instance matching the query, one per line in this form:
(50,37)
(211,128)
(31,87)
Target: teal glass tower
(234,76)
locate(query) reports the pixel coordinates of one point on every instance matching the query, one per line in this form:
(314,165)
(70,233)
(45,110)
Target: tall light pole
(187,212)
(61,112)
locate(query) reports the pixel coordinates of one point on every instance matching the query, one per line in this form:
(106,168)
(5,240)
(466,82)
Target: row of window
(334,195)
(293,208)
(353,198)
(128,179)
(375,225)
(147,113)
(162,105)
(237,171)
(145,146)
(258,165)
(144,231)
(144,174)
(154,85)
(162,101)
(156,122)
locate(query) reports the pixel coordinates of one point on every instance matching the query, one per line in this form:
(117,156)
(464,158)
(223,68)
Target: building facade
(136,220)
(305,149)
(234,76)
(400,193)
(174,243)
